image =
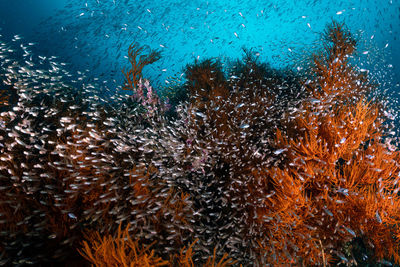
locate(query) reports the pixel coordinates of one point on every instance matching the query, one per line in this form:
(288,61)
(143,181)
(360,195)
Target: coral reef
(256,166)
(339,180)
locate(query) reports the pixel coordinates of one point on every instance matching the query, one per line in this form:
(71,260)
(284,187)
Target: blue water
(24,16)
(95,35)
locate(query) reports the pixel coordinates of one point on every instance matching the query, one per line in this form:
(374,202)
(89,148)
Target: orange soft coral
(119,251)
(339,180)
(122,250)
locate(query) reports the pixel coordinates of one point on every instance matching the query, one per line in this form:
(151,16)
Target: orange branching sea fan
(122,250)
(119,251)
(256,167)
(340,179)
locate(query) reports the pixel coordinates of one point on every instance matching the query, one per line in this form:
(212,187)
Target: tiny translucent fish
(388,115)
(328,212)
(95,135)
(350,231)
(201,114)
(314,100)
(342,257)
(244,126)
(385,262)
(280,151)
(344,191)
(65,119)
(72,216)
(378,217)
(52,236)
(342,140)
(19,141)
(74,107)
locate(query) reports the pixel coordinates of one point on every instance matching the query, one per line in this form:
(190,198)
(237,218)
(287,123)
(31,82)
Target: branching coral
(8,97)
(340,180)
(119,251)
(332,74)
(134,74)
(122,250)
(3,98)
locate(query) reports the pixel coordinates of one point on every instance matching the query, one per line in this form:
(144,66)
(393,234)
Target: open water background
(95,35)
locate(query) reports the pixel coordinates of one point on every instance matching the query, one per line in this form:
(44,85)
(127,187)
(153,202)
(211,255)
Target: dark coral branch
(134,74)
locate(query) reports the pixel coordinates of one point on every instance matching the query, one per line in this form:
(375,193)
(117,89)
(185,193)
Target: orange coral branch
(122,250)
(338,180)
